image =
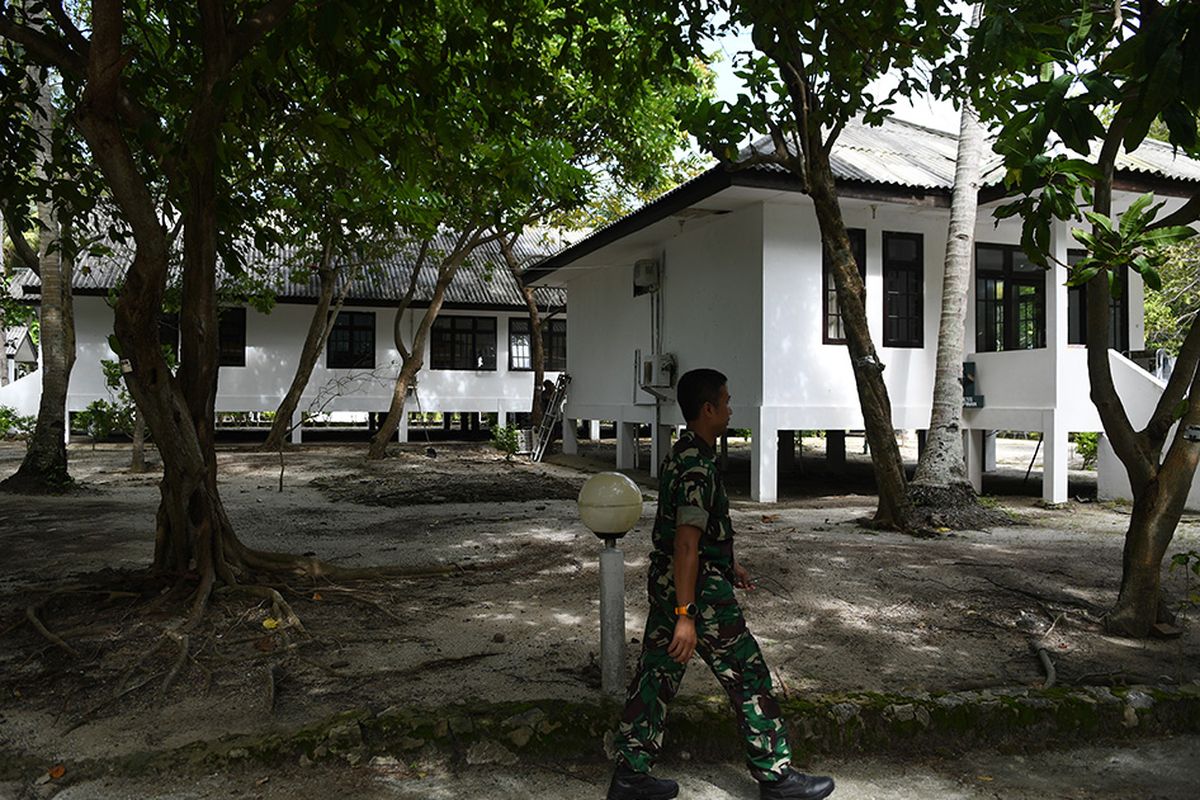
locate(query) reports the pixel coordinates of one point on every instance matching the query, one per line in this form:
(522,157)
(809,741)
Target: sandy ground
(839,607)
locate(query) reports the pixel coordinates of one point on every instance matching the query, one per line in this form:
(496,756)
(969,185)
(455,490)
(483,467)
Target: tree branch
(25,254)
(1185,367)
(76,39)
(253,28)
(47,50)
(1186,214)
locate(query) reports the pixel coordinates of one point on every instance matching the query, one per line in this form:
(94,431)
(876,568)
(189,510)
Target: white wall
(711,298)
(273,343)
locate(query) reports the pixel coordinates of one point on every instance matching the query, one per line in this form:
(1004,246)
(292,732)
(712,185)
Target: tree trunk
(412,358)
(44,468)
(319,327)
(137,462)
(895,510)
(941,476)
(537,347)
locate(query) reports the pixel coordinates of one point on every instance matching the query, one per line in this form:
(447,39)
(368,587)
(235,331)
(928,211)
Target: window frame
(1010,302)
(858,246)
(917,267)
(356,323)
(231,336)
(453,324)
(1118,308)
(553,330)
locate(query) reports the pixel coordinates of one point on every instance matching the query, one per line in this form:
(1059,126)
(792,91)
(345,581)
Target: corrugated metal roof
(12,340)
(482,280)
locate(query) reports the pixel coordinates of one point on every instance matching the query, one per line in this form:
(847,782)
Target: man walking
(693,610)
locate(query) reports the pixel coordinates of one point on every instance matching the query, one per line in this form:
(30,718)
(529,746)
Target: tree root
(31,615)
(180,661)
(279,606)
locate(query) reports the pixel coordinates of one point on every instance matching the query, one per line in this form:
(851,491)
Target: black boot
(630,785)
(796,786)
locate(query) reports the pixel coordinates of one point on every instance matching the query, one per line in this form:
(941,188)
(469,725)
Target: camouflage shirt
(691,492)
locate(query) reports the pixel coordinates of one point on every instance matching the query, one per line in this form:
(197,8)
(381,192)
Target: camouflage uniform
(691,493)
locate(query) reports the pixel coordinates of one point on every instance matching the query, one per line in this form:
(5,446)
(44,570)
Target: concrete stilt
(626,445)
(594,430)
(989,451)
(764,450)
(570,437)
(787,451)
(973,456)
(1054,458)
(660,445)
(835,451)
(922,436)
(297,435)
(402,429)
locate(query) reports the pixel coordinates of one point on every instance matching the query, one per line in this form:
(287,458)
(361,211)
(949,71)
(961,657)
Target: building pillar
(1054,458)
(447,420)
(501,418)
(660,445)
(626,445)
(297,435)
(764,452)
(922,436)
(570,440)
(594,430)
(835,451)
(973,457)
(402,428)
(787,451)
(989,451)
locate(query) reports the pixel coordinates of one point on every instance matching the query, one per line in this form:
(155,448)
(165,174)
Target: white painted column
(570,437)
(1054,458)
(660,445)
(297,435)
(764,452)
(973,456)
(402,429)
(835,450)
(989,451)
(594,430)
(626,444)
(501,418)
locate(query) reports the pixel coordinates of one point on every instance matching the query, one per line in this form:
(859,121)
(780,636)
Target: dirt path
(839,607)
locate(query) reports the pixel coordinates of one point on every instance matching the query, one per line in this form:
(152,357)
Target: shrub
(102,419)
(1087,444)
(506,440)
(14,425)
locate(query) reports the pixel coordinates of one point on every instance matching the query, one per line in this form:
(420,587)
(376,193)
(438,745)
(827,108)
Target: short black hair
(697,387)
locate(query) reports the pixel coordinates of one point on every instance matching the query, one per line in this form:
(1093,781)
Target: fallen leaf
(270,623)
(317,596)
(769,518)
(985,777)
(262,780)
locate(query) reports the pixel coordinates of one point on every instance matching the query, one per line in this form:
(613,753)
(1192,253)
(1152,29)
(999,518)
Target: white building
(734,280)
(20,353)
(477,358)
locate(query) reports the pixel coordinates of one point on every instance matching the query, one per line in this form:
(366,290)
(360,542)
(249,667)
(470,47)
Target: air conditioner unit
(658,371)
(646,276)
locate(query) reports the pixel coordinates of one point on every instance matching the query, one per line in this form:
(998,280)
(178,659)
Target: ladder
(550,417)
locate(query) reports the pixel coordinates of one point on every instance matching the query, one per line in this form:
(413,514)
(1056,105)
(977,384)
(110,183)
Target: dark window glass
(463,343)
(1010,300)
(351,343)
(554,344)
(834,331)
(1118,311)
(903,290)
(232,335)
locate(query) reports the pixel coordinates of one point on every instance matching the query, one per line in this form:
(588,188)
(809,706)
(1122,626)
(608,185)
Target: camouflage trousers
(734,658)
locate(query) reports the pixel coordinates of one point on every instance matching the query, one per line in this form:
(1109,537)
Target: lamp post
(610,505)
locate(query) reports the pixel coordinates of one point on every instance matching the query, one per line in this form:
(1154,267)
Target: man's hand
(741,578)
(683,643)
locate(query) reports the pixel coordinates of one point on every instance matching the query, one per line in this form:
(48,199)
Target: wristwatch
(686,611)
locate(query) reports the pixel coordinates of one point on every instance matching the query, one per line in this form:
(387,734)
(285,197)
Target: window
(554,342)
(903,289)
(1118,310)
(463,343)
(1010,300)
(351,343)
(833,331)
(231,330)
